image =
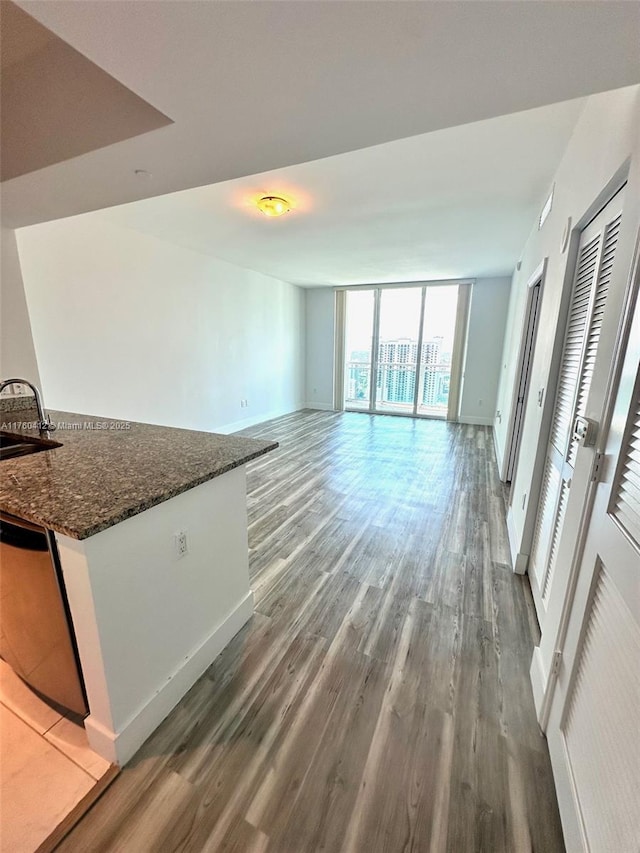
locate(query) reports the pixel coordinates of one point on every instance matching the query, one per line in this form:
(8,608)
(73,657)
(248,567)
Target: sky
(400,315)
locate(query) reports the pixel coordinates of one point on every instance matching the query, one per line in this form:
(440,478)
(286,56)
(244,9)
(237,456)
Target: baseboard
(499,456)
(119,747)
(519,561)
(320,407)
(226,429)
(475,420)
(512,536)
(539,677)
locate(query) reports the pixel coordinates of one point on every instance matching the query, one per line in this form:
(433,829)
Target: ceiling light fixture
(273,205)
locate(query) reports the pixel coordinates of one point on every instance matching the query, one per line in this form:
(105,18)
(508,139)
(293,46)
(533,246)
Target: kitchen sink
(11,445)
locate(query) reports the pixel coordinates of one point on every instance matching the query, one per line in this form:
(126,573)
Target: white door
(526,361)
(594,723)
(591,288)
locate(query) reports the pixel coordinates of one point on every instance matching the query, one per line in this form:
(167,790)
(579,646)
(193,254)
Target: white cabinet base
(148,623)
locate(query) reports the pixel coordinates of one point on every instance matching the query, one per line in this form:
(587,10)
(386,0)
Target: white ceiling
(453,203)
(255,86)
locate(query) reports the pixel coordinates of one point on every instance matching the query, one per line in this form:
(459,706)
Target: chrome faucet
(44,421)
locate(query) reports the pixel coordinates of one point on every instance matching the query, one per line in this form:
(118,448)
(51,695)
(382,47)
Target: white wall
(487,317)
(485,337)
(17,354)
(129,326)
(320,317)
(603,140)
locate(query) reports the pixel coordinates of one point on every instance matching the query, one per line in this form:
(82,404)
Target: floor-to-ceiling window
(438,339)
(401,349)
(359,348)
(397,351)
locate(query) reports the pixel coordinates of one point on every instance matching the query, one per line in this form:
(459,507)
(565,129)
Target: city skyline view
(397,369)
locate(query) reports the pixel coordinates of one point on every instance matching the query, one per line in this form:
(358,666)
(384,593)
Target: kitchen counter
(107,470)
(148,617)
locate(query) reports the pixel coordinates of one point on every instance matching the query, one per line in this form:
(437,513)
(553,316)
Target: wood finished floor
(379,698)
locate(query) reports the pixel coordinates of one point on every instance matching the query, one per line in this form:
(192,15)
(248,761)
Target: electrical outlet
(180,541)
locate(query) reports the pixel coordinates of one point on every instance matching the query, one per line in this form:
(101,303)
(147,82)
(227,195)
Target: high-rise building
(396,373)
(396,370)
(432,386)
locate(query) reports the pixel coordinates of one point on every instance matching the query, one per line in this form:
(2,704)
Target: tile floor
(46,766)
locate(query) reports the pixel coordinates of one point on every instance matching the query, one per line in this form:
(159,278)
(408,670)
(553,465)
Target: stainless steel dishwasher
(36,636)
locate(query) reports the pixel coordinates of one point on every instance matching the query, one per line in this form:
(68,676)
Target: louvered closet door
(593,724)
(588,299)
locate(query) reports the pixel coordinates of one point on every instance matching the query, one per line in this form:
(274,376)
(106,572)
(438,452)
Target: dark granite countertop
(108,470)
